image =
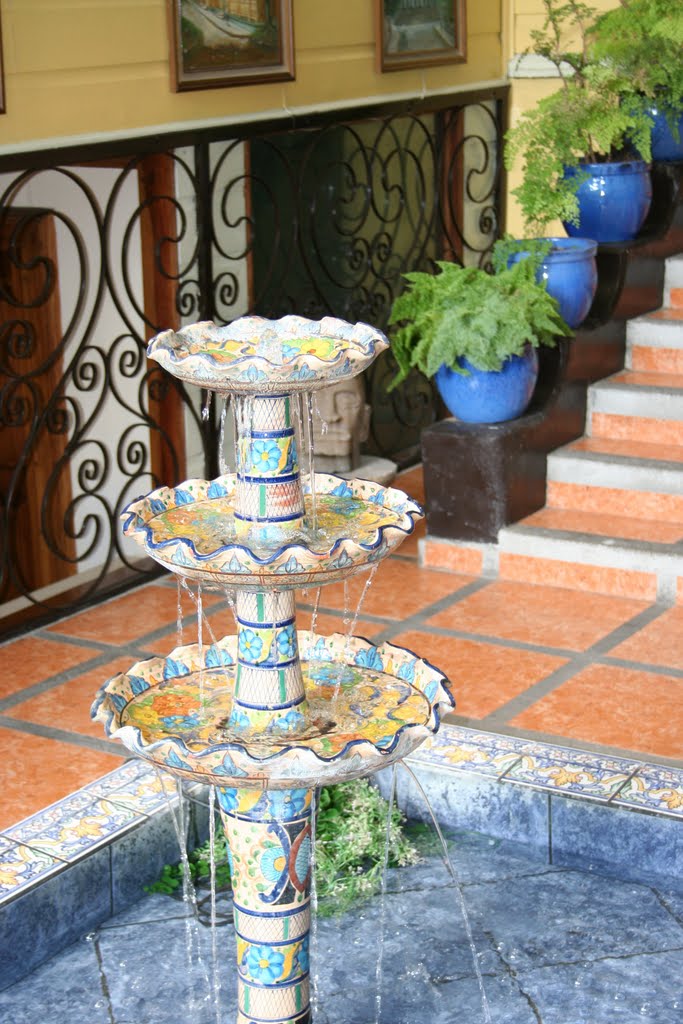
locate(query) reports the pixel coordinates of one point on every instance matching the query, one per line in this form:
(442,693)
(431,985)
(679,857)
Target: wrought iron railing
(105,244)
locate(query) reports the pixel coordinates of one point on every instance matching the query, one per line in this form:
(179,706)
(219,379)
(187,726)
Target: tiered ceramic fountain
(270,714)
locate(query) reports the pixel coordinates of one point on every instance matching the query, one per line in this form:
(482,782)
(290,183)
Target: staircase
(613,520)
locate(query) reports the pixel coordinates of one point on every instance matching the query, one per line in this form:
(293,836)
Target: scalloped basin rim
(253,352)
(297,762)
(140,513)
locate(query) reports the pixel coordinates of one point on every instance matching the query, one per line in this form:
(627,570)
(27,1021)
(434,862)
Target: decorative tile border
(22,867)
(76,826)
(70,830)
(592,776)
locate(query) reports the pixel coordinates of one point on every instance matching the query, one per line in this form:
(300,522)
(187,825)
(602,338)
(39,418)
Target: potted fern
(643,39)
(476,334)
(584,147)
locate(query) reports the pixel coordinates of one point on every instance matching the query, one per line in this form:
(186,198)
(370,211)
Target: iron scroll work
(100,251)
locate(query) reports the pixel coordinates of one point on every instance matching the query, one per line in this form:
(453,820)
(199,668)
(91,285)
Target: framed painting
(215,43)
(2,79)
(419,33)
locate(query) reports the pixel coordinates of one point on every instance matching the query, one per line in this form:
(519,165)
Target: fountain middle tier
(190,529)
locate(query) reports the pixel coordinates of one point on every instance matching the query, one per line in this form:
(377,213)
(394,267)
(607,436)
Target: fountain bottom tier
(367,706)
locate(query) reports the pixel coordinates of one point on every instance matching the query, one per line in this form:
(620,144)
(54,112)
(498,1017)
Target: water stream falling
(379,971)
(460,895)
(196,968)
(222,464)
(215,972)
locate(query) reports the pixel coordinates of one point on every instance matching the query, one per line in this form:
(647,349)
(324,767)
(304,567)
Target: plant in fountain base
(476,334)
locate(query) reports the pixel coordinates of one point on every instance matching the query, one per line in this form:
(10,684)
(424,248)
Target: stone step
(654,342)
(637,406)
(618,478)
(596,559)
(673,282)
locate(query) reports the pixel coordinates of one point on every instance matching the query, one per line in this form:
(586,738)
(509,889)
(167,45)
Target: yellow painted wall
(524,16)
(76,67)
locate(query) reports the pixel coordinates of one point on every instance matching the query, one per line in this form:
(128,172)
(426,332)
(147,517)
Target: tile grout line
(580,660)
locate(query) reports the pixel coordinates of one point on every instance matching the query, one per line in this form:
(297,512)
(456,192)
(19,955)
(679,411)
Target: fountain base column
(269,841)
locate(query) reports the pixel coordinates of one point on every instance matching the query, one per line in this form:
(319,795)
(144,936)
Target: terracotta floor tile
(657,360)
(400,588)
(629,449)
(409,547)
(668,312)
(579,521)
(624,708)
(483,676)
(659,643)
(68,706)
(327,624)
(412,482)
(131,616)
(37,771)
(537,614)
(31,659)
(647,380)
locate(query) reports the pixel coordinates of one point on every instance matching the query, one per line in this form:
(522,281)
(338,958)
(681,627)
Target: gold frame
(400,60)
(2,78)
(184,78)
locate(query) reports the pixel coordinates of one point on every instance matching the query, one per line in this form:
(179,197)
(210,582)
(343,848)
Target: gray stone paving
(555,946)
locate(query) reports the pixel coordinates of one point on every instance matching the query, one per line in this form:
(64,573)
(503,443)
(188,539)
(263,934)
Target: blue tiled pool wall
(72,866)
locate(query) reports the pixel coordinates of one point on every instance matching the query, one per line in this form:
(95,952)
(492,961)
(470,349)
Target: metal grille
(120,240)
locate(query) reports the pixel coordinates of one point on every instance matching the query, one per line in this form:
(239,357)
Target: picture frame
(2,78)
(218,43)
(419,33)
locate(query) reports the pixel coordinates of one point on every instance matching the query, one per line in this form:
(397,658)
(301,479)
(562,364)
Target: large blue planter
(613,202)
(665,147)
(484,396)
(571,275)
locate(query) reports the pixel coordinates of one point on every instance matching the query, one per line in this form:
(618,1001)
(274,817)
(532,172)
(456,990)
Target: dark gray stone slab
(53,915)
(473,857)
(65,990)
(161,972)
(642,989)
(138,857)
(570,916)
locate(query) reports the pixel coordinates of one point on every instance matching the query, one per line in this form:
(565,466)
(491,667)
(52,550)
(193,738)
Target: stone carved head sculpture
(341,423)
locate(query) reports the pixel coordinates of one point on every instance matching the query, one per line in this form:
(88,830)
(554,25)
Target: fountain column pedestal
(269,838)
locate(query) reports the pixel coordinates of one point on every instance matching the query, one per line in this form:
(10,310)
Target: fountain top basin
(369,706)
(253,355)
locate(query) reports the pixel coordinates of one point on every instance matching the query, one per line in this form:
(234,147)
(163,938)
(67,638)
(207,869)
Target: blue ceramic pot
(571,275)
(613,202)
(665,146)
(486,396)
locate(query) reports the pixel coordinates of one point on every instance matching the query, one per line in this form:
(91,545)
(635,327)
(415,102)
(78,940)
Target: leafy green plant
(596,114)
(351,832)
(536,249)
(643,39)
(466,312)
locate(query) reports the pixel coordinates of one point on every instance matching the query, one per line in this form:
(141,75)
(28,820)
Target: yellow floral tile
(654,788)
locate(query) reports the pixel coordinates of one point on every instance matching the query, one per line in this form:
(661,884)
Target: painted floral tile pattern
(613,780)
